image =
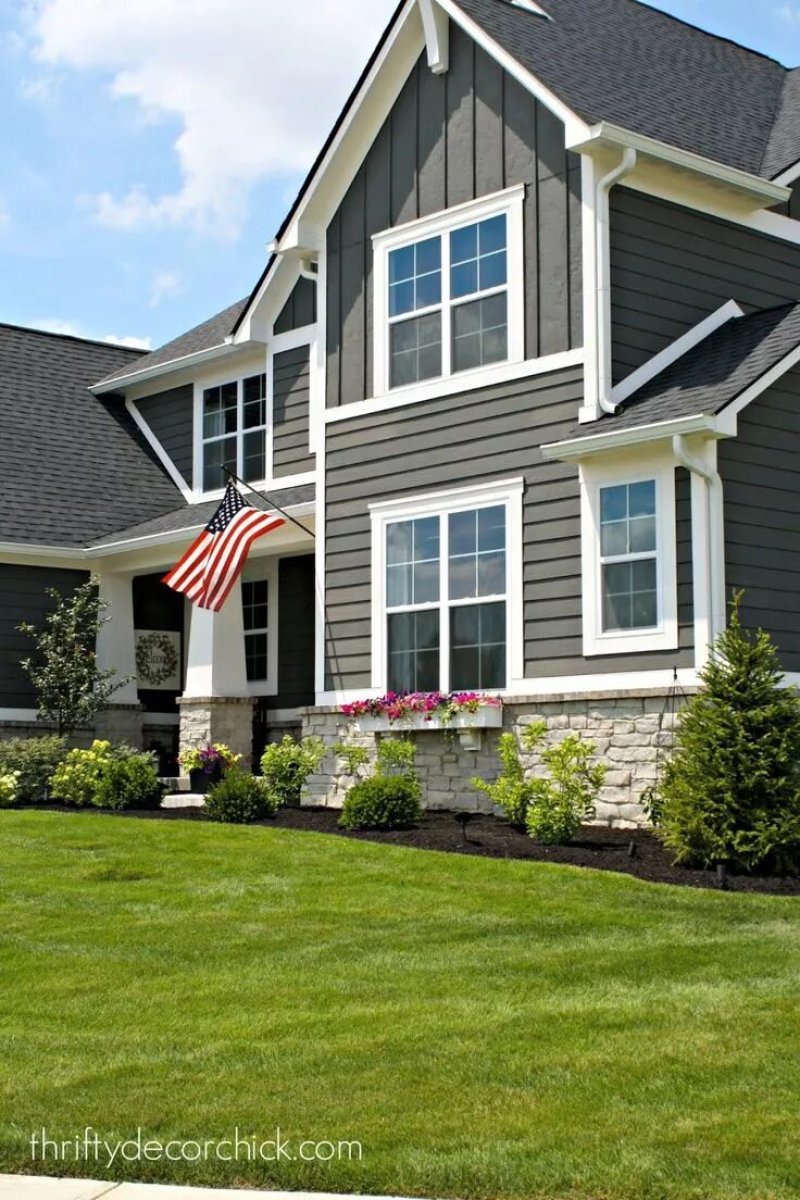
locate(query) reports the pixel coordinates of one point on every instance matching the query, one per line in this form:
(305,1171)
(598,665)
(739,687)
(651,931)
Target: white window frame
(509,203)
(257,569)
(205,385)
(507,493)
(594,476)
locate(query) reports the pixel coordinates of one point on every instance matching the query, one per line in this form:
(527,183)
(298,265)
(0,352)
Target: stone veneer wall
(630,730)
(218,719)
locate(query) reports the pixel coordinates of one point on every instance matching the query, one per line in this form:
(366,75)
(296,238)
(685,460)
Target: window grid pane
(415,350)
(415,277)
(412,562)
(480,333)
(255,615)
(413,651)
(628,555)
(478,260)
(477,565)
(478,647)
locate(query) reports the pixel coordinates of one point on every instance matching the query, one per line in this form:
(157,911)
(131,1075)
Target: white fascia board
(104,549)
(223,350)
(574,449)
(436,25)
(22,551)
(670,354)
(762,192)
(789,176)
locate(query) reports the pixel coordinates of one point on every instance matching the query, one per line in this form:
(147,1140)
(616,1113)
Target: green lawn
(483,1028)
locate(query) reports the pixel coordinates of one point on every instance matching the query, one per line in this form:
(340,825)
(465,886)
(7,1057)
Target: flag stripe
(218,595)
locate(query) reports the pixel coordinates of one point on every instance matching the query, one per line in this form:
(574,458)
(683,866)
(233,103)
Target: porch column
(216,706)
(121,720)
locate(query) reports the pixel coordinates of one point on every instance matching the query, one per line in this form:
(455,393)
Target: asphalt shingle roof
(195,516)
(205,336)
(73,467)
(713,374)
(625,63)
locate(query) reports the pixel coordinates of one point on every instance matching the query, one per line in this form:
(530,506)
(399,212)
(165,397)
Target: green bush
(129,782)
(286,765)
(382,802)
(552,807)
(35,760)
(731,792)
(240,799)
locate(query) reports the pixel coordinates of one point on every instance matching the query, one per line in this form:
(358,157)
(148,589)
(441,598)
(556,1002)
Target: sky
(149,149)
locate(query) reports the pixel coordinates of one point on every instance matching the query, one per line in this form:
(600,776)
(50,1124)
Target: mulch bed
(631,852)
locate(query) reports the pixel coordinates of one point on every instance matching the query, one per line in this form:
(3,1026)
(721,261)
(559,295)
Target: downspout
(603,280)
(715,540)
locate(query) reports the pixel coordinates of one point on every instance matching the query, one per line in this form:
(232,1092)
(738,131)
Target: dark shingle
(206,336)
(72,466)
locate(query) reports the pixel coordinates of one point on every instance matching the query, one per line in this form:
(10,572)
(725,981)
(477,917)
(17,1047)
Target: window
(442,590)
(255,614)
(448,293)
(629,533)
(234,431)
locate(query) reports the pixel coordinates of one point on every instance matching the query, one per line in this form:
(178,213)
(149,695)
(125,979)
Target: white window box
(467,725)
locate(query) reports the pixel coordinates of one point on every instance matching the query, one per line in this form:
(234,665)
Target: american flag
(211,565)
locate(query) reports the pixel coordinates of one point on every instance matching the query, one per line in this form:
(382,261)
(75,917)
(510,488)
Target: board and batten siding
(296,626)
(449,139)
(760,471)
(23,598)
(290,413)
(300,309)
(170,417)
(671,267)
(483,436)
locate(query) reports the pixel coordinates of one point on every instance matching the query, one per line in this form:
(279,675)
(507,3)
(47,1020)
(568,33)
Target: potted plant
(206,765)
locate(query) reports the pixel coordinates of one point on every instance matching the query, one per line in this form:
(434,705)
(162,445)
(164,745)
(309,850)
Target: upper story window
(235,431)
(449,295)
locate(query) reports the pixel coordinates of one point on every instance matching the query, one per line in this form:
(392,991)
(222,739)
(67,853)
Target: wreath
(146,649)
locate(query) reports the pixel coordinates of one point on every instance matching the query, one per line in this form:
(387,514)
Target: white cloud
(75,329)
(254,85)
(788,13)
(165,285)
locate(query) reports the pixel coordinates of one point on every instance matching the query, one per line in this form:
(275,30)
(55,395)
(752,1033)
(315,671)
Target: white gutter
(603,281)
(575,449)
(711,481)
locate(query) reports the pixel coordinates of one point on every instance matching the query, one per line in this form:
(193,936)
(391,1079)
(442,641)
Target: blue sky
(147,162)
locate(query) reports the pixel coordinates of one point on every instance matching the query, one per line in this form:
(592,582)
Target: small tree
(731,792)
(71,688)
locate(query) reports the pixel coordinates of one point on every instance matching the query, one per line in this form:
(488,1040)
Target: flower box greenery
(466,713)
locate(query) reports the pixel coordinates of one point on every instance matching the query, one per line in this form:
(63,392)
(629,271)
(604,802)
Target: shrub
(286,765)
(731,792)
(240,799)
(382,802)
(9,788)
(129,782)
(34,760)
(551,807)
(354,757)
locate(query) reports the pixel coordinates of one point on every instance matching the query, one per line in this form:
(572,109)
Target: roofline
(306,508)
(210,354)
(766,191)
(75,337)
(573,449)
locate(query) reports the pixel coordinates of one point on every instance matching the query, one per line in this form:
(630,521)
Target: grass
(483,1028)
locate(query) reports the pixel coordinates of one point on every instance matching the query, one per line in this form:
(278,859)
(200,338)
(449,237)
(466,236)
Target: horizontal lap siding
(170,416)
(291,413)
(23,598)
(486,435)
(761,474)
(671,267)
(452,138)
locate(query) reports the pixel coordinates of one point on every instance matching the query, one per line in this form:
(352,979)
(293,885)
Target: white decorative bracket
(436,25)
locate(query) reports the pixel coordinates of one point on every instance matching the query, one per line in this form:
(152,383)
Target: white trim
(457,384)
(788,176)
(177,535)
(256,570)
(320,617)
(159,450)
(670,354)
(591,318)
(28,715)
(439,504)
(529,6)
(436,26)
(769,377)
(508,203)
(576,449)
(293,339)
(10,551)
(223,350)
(593,478)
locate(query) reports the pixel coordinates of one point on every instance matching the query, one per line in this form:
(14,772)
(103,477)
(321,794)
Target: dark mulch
(636,852)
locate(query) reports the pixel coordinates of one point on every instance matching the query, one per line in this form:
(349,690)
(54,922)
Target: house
(524,367)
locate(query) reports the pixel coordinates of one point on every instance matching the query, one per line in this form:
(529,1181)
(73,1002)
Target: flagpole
(232,475)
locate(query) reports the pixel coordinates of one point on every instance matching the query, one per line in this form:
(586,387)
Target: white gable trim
(788,176)
(436,25)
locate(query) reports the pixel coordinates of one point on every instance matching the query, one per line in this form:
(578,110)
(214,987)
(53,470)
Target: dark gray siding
(170,416)
(300,309)
(452,138)
(23,598)
(671,267)
(761,474)
(296,627)
(291,413)
(447,442)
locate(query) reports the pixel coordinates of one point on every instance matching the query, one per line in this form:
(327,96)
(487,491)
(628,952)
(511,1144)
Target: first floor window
(255,613)
(629,556)
(235,431)
(446,599)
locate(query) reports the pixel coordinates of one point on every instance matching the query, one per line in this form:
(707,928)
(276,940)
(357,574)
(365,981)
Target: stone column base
(227,719)
(121,723)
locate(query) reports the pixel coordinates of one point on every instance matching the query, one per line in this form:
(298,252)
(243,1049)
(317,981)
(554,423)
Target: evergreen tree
(731,792)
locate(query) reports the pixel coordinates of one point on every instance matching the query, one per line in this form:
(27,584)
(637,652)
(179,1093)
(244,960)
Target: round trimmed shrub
(382,802)
(240,799)
(128,783)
